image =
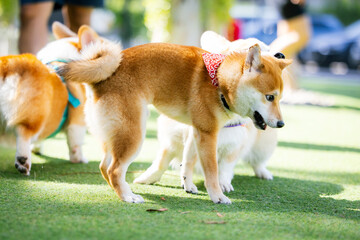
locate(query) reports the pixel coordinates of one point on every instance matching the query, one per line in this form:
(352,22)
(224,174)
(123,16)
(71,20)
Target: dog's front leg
(187,164)
(75,139)
(206,147)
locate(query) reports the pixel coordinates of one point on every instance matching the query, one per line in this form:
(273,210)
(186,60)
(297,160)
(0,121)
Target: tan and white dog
(176,81)
(238,139)
(33,100)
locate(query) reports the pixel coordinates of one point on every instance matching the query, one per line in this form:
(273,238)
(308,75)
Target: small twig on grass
(214,222)
(76,173)
(156,210)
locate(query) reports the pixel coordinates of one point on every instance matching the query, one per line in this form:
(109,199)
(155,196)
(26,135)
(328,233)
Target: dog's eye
(270,98)
(279,55)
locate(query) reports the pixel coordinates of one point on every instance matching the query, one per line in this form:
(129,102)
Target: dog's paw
(78,160)
(226,186)
(220,199)
(263,173)
(149,177)
(22,164)
(133,198)
(189,187)
(76,155)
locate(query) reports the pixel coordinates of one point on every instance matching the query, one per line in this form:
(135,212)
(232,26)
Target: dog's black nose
(279,55)
(280,124)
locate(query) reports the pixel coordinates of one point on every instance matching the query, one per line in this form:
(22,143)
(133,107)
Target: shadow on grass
(335,89)
(60,170)
(280,195)
(335,107)
(250,195)
(317,147)
(338,177)
(345,107)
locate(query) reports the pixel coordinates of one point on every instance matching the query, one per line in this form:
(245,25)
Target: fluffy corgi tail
(98,61)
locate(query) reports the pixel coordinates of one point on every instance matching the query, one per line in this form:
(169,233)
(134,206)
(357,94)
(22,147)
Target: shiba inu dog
(239,138)
(35,102)
(177,82)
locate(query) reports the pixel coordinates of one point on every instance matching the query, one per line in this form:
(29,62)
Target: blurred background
(334,47)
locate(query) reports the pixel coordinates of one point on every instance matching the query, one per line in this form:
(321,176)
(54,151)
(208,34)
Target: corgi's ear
(61,31)
(283,63)
(87,35)
(253,59)
(213,42)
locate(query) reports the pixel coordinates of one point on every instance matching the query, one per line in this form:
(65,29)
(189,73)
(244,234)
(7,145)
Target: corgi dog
(176,80)
(238,139)
(35,102)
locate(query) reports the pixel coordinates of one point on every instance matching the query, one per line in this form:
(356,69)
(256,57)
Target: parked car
(265,28)
(339,46)
(330,41)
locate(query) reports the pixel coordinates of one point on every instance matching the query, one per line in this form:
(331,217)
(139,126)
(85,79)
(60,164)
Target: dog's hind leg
(261,152)
(124,145)
(226,169)
(23,149)
(158,167)
(104,164)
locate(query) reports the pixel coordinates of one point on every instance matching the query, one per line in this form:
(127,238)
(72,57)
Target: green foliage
(8,11)
(215,13)
(158,17)
(129,17)
(347,11)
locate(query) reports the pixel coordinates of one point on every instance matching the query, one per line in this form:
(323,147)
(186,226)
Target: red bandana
(212,62)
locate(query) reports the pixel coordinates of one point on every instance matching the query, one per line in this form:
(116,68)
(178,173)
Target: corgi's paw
(263,173)
(149,177)
(226,186)
(220,198)
(133,198)
(22,164)
(78,160)
(76,155)
(189,187)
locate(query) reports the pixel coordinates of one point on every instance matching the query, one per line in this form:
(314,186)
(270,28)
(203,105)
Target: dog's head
(252,85)
(250,78)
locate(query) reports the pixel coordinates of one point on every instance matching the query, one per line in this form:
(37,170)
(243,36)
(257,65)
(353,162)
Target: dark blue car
(330,41)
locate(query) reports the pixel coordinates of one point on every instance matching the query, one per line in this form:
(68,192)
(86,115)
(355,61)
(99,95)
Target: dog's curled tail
(98,61)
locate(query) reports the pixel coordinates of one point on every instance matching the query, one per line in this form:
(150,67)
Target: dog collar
(212,62)
(72,100)
(234,125)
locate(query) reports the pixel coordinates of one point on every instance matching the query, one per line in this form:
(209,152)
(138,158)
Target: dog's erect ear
(87,35)
(283,63)
(253,59)
(213,42)
(61,31)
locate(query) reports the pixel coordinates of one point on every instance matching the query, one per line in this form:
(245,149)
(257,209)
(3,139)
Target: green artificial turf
(315,193)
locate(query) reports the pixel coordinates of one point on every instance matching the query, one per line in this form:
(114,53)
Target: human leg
(33,26)
(76,15)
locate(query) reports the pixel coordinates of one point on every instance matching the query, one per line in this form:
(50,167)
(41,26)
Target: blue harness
(72,100)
